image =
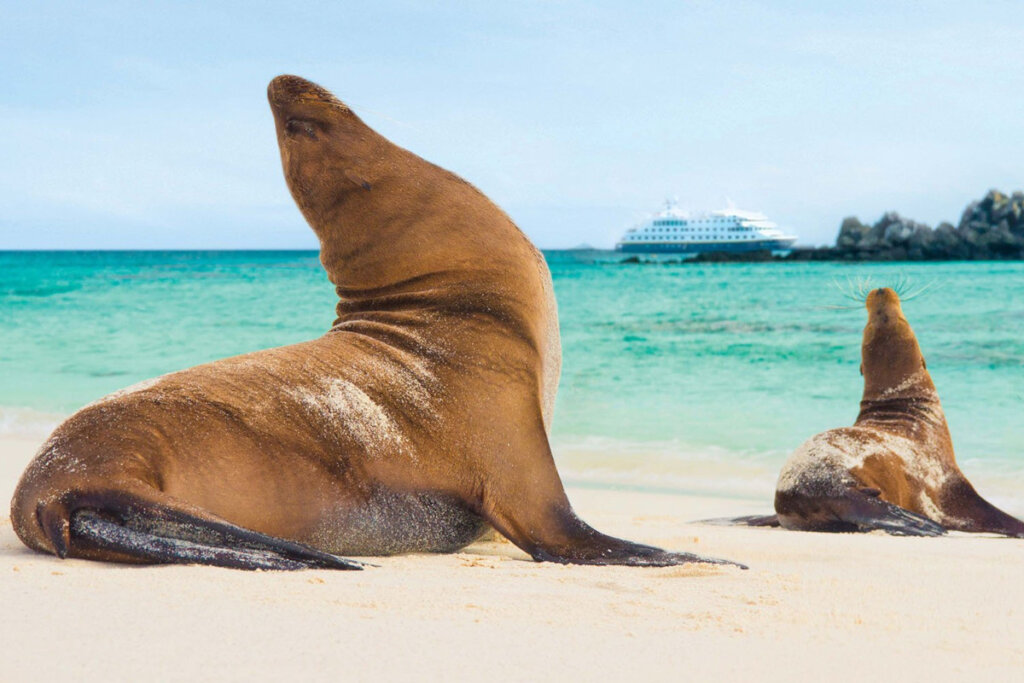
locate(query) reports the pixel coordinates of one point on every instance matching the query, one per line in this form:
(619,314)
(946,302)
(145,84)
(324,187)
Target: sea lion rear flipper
(525,501)
(968,511)
(132,529)
(867,512)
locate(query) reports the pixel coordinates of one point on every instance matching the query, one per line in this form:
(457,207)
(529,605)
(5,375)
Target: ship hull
(706,247)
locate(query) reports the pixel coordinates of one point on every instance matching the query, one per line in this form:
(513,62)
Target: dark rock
(732,257)
(990,228)
(851,232)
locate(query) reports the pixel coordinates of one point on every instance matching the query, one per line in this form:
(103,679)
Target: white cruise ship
(673,231)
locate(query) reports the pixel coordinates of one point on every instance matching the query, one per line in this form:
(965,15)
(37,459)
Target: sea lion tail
(117,526)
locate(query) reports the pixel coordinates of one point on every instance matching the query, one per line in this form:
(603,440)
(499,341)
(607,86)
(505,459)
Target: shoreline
(798,254)
(659,468)
(849,604)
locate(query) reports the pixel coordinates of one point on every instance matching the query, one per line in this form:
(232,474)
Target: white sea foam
(670,466)
(27,422)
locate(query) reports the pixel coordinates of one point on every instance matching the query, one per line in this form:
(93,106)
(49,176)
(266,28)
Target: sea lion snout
(883,296)
(288,89)
(883,306)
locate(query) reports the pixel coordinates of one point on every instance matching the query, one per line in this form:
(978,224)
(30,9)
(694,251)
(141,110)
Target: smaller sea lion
(894,469)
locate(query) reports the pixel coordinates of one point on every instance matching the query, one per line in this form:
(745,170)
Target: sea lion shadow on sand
(894,470)
(418,421)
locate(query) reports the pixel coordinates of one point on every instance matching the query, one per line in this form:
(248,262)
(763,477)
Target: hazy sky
(130,124)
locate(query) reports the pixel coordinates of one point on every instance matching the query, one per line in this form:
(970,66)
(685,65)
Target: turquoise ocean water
(696,379)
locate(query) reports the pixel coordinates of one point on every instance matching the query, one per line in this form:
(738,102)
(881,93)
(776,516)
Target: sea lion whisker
(902,284)
(387,117)
(863,287)
(924,289)
(846,290)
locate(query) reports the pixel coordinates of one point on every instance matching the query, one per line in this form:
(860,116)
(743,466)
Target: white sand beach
(838,607)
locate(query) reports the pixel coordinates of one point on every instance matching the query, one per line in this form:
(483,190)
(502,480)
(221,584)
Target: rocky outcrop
(990,228)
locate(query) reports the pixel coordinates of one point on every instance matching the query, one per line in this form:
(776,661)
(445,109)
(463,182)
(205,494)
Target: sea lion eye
(300,127)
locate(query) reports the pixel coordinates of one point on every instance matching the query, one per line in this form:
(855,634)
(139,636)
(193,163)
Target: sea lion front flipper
(863,509)
(136,530)
(525,501)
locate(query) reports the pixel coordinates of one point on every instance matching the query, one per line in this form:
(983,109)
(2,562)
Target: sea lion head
(382,214)
(891,359)
(328,153)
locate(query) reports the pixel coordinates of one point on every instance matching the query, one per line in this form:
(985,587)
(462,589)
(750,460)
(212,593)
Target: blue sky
(145,125)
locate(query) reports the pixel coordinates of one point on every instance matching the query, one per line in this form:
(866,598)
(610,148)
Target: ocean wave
(27,422)
(41,291)
(675,467)
(670,466)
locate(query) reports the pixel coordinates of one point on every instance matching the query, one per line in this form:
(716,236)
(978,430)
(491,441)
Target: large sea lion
(894,469)
(420,418)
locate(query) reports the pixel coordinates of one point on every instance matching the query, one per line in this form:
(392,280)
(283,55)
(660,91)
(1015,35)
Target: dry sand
(812,606)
